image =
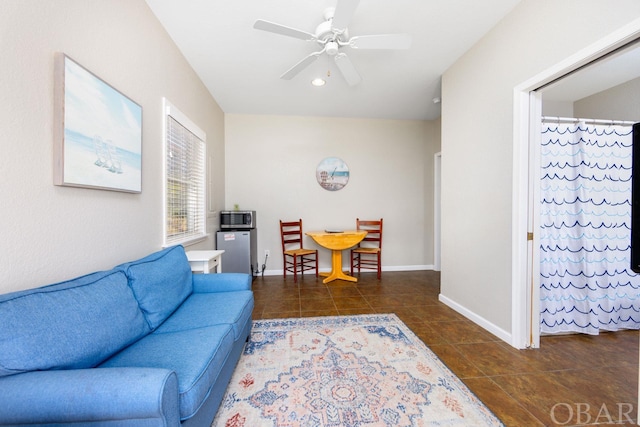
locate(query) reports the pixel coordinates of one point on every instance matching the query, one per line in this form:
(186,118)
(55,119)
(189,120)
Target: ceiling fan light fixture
(317,82)
(331,48)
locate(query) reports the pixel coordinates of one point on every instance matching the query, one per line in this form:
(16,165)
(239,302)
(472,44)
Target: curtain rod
(589,121)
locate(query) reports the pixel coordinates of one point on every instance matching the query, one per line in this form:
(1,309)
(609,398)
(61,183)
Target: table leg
(218,258)
(336,269)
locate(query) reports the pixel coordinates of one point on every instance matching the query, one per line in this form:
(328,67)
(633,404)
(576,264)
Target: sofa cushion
(160,281)
(209,309)
(74,324)
(197,357)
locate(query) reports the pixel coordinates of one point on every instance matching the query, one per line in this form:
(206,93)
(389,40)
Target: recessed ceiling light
(318,82)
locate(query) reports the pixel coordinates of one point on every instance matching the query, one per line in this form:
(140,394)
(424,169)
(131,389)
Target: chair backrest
(291,234)
(374,231)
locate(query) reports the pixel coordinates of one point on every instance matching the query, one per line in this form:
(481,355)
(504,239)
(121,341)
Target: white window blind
(185,180)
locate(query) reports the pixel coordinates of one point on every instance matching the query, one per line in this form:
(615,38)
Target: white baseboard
(481,321)
(408,268)
(388,268)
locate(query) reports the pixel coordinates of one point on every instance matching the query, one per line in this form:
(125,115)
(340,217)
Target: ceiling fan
(332,36)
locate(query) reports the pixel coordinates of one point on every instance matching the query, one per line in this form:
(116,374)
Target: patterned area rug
(347,371)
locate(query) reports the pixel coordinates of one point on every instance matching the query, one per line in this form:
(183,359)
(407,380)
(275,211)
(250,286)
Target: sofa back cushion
(69,325)
(160,282)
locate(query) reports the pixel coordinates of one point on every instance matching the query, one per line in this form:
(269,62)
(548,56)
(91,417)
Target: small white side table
(205,261)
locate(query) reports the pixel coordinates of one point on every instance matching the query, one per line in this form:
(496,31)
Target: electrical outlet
(267,253)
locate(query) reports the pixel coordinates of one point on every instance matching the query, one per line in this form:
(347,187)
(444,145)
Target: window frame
(199,233)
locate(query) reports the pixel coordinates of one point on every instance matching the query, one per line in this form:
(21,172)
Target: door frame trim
(525,289)
(437,209)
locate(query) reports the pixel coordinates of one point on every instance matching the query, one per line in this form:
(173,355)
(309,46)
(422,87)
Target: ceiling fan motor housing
(325,32)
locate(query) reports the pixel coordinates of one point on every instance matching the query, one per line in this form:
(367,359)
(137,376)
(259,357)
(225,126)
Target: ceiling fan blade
(291,72)
(282,30)
(343,13)
(381,41)
(347,69)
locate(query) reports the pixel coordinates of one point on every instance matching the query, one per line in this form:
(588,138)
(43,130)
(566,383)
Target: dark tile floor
(571,380)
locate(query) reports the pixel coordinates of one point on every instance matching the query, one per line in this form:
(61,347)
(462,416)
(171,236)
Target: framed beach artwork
(98,141)
(332,173)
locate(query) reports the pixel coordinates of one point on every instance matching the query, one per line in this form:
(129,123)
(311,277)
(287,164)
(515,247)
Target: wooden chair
(296,259)
(368,252)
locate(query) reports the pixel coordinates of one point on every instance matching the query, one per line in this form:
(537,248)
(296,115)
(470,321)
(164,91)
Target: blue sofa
(144,344)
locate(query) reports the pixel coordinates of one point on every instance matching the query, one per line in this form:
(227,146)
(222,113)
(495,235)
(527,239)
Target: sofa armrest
(221,282)
(91,395)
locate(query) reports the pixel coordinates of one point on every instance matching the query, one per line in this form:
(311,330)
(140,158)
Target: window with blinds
(185,179)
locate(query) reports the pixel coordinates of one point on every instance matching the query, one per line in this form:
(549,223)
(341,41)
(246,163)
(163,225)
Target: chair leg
(352,263)
(316,264)
(379,266)
(295,269)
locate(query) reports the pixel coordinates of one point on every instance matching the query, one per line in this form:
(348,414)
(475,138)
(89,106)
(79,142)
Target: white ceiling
(241,66)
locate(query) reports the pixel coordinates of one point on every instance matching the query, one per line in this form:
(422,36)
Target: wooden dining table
(337,241)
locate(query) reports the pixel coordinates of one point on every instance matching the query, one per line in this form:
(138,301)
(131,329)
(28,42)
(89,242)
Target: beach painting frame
(98,137)
(332,173)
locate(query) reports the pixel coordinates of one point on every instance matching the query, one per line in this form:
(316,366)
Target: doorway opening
(527,131)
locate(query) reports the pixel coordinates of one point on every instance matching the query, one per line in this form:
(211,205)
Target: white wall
(51,233)
(271,163)
(617,103)
(557,108)
(477,140)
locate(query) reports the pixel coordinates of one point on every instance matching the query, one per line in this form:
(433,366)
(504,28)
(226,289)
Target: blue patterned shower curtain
(586,281)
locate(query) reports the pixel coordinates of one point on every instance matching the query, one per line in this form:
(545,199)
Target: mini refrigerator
(240,250)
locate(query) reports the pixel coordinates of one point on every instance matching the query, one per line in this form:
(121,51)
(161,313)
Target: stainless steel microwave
(237,220)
